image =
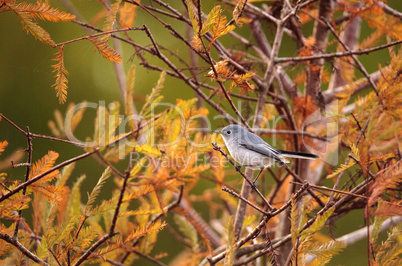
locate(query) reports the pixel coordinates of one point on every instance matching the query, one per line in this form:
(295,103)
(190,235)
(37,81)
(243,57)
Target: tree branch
(13,241)
(337,54)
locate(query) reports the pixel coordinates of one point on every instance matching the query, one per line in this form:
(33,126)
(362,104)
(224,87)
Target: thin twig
(135,45)
(27,172)
(290,170)
(157,262)
(54,256)
(98,34)
(335,190)
(212,65)
(357,62)
(245,200)
(117,210)
(389,10)
(337,54)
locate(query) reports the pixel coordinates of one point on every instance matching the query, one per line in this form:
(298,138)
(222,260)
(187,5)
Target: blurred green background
(27,98)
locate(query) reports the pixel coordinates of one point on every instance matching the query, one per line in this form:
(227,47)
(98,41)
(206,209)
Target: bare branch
(337,54)
(13,241)
(27,172)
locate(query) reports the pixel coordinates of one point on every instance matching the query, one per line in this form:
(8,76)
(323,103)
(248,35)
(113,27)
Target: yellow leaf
(110,19)
(196,43)
(37,31)
(210,19)
(138,166)
(127,15)
(142,231)
(104,49)
(219,28)
(231,244)
(129,105)
(3,145)
(192,12)
(77,117)
(61,80)
(237,12)
(148,150)
(43,11)
(341,168)
(44,164)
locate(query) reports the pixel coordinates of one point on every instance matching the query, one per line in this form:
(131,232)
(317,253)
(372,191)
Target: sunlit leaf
(61,76)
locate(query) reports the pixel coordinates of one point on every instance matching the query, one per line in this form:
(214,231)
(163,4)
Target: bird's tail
(301,155)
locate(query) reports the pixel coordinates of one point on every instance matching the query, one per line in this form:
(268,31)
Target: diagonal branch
(13,241)
(359,65)
(337,54)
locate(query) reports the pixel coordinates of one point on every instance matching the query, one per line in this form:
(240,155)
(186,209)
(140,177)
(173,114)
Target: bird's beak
(217,131)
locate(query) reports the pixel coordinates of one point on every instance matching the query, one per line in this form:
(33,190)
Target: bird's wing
(257,144)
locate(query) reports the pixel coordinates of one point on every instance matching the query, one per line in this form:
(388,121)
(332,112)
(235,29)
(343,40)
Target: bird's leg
(257,176)
(238,167)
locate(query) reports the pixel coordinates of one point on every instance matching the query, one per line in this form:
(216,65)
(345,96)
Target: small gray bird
(251,151)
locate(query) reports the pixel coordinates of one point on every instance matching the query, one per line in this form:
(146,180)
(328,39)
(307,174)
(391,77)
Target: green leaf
(192,13)
(187,229)
(318,224)
(390,251)
(341,168)
(154,97)
(328,249)
(129,104)
(95,192)
(295,222)
(210,22)
(110,19)
(230,245)
(74,202)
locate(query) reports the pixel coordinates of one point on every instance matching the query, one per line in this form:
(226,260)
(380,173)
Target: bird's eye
(228,132)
